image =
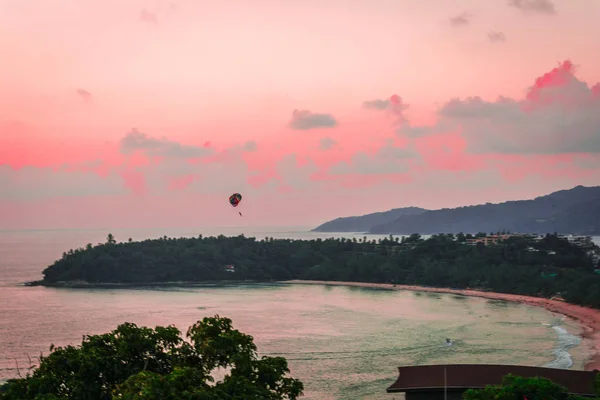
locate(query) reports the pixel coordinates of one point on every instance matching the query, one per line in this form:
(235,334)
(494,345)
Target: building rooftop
(474,376)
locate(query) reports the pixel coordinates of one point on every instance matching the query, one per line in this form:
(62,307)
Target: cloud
(221,177)
(377,104)
(496,37)
(388,159)
(534,6)
(445,181)
(413,132)
(32,183)
(365,164)
(83,166)
(391,152)
(250,146)
(149,17)
(224,171)
(394,106)
(139,141)
(304,120)
(326,143)
(559,114)
(461,19)
(586,161)
(84,94)
(294,174)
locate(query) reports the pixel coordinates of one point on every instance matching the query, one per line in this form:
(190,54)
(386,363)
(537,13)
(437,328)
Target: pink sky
(151,113)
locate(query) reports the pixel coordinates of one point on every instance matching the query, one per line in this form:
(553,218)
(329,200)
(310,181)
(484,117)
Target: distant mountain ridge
(572,211)
(365,222)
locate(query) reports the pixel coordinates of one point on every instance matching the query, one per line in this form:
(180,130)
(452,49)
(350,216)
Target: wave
(561,353)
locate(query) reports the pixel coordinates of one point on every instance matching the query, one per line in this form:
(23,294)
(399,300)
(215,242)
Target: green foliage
(519,265)
(135,363)
(519,388)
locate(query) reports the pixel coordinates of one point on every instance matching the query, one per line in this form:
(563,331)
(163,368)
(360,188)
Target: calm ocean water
(343,343)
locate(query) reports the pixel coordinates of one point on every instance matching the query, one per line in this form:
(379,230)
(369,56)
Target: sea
(341,342)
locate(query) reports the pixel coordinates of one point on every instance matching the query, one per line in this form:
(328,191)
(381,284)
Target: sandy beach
(588,318)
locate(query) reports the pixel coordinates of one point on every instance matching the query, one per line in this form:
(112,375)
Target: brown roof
(464,376)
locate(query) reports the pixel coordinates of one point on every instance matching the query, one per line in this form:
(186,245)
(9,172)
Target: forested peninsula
(518,264)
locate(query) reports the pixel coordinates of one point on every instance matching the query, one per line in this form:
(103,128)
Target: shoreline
(133,285)
(587,318)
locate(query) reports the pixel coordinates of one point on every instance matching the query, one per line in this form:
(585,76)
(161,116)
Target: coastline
(129,285)
(587,318)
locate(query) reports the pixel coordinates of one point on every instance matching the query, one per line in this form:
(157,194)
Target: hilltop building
(489,239)
(229,268)
(585,242)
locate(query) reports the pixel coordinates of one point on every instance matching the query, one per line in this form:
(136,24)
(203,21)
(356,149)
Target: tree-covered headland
(545,266)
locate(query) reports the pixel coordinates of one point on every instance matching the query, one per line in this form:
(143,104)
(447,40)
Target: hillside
(582,218)
(573,211)
(365,222)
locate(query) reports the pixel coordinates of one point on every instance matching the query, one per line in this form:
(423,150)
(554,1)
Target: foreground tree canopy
(519,388)
(139,363)
(519,265)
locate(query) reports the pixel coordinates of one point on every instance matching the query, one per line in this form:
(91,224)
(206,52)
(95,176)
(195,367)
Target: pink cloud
(305,120)
(560,114)
(135,181)
(394,107)
(84,94)
(147,16)
(461,19)
(534,6)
